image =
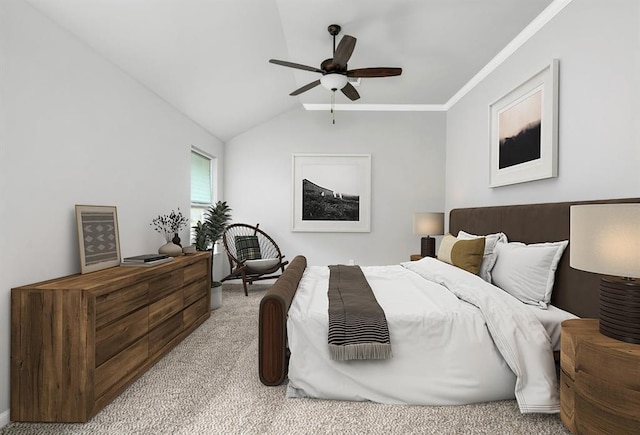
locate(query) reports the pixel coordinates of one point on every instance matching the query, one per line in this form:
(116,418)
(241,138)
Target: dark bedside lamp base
(428,247)
(620,309)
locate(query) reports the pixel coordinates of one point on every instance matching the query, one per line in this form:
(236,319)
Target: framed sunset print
(523,137)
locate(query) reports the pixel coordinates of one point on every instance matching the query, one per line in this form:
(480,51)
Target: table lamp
(605,239)
(428,224)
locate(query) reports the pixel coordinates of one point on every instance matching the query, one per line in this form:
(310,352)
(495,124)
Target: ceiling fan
(334,70)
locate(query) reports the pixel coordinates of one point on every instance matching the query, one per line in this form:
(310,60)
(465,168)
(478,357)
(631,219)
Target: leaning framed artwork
(98,237)
(331,193)
(523,136)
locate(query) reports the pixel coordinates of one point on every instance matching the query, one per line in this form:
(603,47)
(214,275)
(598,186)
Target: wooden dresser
(600,381)
(79,341)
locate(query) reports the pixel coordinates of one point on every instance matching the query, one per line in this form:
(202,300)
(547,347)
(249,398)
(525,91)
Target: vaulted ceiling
(209,58)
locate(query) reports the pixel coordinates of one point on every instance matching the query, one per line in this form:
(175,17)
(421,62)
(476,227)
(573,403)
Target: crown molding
(378,107)
(532,28)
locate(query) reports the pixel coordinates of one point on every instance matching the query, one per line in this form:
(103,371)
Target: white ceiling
(209,58)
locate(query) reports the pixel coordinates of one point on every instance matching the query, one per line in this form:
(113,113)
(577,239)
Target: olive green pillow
(465,254)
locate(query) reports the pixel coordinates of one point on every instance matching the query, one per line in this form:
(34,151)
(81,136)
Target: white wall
(74,129)
(407,152)
(77,130)
(598,45)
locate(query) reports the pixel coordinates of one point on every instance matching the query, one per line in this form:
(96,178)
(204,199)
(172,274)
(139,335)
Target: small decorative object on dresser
(169,225)
(600,381)
(146,260)
(97,237)
(170,249)
(188,250)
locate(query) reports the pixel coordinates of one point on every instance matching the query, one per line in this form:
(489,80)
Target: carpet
(209,384)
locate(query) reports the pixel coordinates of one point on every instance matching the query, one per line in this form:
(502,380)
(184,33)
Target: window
(201,186)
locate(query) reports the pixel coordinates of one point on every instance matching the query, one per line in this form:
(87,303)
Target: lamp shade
(605,239)
(428,224)
(333,82)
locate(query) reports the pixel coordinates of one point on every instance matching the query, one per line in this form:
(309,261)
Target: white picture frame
(331,193)
(523,131)
(98,237)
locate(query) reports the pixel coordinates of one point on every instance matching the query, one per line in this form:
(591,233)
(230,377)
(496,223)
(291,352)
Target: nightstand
(416,257)
(599,381)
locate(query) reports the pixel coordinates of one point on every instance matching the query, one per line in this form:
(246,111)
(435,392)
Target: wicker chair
(252,254)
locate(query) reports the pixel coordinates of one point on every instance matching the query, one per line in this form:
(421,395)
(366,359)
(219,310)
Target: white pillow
(262,264)
(489,257)
(527,272)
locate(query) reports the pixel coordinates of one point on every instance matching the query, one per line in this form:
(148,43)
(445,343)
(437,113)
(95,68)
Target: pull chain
(333,100)
(333,97)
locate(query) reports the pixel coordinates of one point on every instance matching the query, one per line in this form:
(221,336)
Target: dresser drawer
(121,365)
(118,335)
(566,400)
(120,302)
(195,291)
(164,333)
(164,308)
(591,418)
(192,312)
(195,271)
(592,357)
(165,284)
(597,389)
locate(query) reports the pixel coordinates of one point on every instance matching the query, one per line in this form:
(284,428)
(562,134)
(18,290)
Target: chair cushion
(247,248)
(262,265)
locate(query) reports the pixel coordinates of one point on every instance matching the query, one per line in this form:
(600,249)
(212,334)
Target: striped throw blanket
(357,325)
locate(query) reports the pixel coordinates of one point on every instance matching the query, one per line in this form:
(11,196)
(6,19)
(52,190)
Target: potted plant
(169,225)
(201,240)
(206,234)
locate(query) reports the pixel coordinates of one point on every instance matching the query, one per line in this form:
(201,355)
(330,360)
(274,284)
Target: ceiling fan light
(333,81)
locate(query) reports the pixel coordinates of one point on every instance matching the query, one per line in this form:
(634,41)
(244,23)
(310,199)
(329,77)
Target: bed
(436,374)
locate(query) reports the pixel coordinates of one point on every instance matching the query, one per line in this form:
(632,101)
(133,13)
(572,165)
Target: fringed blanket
(357,324)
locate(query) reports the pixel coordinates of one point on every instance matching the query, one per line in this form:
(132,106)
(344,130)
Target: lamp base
(428,247)
(620,309)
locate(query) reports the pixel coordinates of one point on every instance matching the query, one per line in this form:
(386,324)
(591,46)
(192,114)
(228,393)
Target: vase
(216,296)
(176,240)
(170,249)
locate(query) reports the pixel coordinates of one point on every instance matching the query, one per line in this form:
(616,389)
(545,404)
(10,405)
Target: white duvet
(443,350)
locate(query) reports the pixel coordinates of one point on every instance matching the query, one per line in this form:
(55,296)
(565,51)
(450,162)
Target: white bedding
(442,351)
(551,319)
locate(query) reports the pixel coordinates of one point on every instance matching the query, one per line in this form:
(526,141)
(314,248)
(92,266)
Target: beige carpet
(209,385)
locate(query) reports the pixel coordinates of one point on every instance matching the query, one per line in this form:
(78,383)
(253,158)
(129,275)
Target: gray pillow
(527,272)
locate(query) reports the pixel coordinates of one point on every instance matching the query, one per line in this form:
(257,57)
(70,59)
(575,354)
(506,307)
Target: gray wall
(70,120)
(77,130)
(598,45)
(407,159)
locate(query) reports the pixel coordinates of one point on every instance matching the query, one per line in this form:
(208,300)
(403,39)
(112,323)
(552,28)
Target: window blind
(200,179)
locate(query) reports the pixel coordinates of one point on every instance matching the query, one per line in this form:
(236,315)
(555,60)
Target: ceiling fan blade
(374,72)
(350,92)
(296,65)
(344,51)
(305,88)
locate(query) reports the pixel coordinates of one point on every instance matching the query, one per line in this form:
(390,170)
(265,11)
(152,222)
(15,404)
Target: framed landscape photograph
(98,237)
(523,137)
(331,193)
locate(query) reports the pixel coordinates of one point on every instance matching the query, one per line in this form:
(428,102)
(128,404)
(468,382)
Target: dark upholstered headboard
(574,291)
